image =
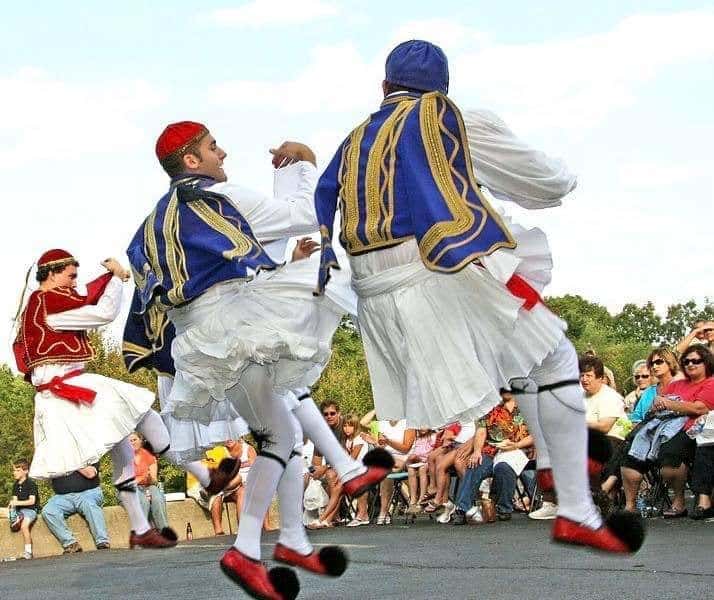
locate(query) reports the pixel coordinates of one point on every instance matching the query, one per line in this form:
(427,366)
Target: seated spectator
(443,444)
(235,489)
(397,439)
(24,504)
(501,448)
(357,446)
(663,365)
(604,406)
(417,468)
(457,458)
(703,482)
(643,379)
(324,472)
(146,472)
(609,378)
(689,398)
(77,493)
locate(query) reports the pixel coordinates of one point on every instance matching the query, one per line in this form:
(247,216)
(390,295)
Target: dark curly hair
(44,272)
(704,353)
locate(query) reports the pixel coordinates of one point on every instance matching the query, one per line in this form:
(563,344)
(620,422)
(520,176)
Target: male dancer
(79,416)
(239,351)
(412,212)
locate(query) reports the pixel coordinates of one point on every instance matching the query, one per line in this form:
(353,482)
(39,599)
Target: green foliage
(346,379)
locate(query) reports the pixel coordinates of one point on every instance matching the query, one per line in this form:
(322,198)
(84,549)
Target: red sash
(520,288)
(73,393)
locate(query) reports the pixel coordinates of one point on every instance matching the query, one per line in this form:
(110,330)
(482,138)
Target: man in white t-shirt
(604,406)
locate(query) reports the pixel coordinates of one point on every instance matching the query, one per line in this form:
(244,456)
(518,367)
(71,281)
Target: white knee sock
(123,473)
(268,416)
(527,399)
(154,431)
(290,492)
(315,427)
(565,434)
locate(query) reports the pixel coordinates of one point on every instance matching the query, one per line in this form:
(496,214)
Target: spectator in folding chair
(689,398)
(501,448)
(455,459)
(443,444)
(235,489)
(357,446)
(397,439)
(417,468)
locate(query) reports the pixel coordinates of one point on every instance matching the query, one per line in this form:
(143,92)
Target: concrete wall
(180,513)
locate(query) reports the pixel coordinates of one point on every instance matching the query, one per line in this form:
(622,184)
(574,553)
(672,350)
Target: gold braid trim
(349,170)
(242,244)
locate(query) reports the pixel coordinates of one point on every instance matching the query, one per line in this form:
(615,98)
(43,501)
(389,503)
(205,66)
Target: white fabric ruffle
(70,436)
(432,340)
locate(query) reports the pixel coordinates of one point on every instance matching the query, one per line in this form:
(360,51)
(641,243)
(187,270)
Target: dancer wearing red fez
(250,339)
(81,416)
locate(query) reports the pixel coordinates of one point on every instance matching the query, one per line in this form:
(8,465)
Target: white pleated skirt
(70,436)
(273,322)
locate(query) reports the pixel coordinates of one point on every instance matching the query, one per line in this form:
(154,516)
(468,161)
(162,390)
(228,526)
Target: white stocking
(123,473)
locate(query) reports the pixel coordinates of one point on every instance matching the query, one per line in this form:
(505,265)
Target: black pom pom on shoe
(334,559)
(378,457)
(169,534)
(629,527)
(599,447)
(285,582)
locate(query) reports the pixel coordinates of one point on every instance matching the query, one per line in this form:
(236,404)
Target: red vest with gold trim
(37,343)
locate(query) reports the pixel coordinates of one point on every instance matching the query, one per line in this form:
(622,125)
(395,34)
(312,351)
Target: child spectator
(25,504)
(357,447)
(417,468)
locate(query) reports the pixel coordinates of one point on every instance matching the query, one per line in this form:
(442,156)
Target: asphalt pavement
(504,561)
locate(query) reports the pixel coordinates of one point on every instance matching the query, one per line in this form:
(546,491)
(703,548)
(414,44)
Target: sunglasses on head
(329,414)
(641,376)
(692,361)
(658,361)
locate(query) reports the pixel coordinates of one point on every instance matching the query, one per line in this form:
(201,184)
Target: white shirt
(282,216)
(606,403)
(468,430)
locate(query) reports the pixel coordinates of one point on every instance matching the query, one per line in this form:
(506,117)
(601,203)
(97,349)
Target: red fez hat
(177,136)
(55,258)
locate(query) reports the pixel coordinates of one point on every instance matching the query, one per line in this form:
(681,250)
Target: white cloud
(60,120)
(259,13)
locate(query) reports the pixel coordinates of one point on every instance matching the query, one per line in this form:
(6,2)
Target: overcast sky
(623,91)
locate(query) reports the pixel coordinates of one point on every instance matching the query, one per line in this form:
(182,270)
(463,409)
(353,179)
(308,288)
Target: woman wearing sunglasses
(662,363)
(690,397)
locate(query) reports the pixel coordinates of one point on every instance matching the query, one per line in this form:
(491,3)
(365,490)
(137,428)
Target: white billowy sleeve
(290,212)
(91,316)
(511,169)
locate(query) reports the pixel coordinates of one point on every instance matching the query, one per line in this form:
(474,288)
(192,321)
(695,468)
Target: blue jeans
(155,504)
(471,481)
(30,514)
(504,481)
(88,504)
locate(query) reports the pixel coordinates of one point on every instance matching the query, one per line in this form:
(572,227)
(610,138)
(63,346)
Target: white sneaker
(445,516)
(474,514)
(27,555)
(548,511)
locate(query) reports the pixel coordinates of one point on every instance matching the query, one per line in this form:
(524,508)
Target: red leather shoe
(330,561)
(152,539)
(256,581)
(546,483)
(222,475)
(623,533)
(379,464)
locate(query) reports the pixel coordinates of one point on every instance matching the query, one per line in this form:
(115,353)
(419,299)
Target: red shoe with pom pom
(330,561)
(622,533)
(166,538)
(379,464)
(256,581)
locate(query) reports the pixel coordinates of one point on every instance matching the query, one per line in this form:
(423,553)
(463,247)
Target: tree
(639,323)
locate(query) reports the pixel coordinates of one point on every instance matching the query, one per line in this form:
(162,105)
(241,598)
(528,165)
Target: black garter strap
(295,453)
(128,485)
(274,457)
(305,395)
(560,384)
(164,451)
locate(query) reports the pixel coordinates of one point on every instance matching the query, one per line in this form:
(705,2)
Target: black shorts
(680,449)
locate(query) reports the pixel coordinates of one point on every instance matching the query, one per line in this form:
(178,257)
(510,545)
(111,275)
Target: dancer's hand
(112,265)
(305,248)
(290,152)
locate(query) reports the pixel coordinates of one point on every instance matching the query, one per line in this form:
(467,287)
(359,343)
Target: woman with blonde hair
(663,365)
